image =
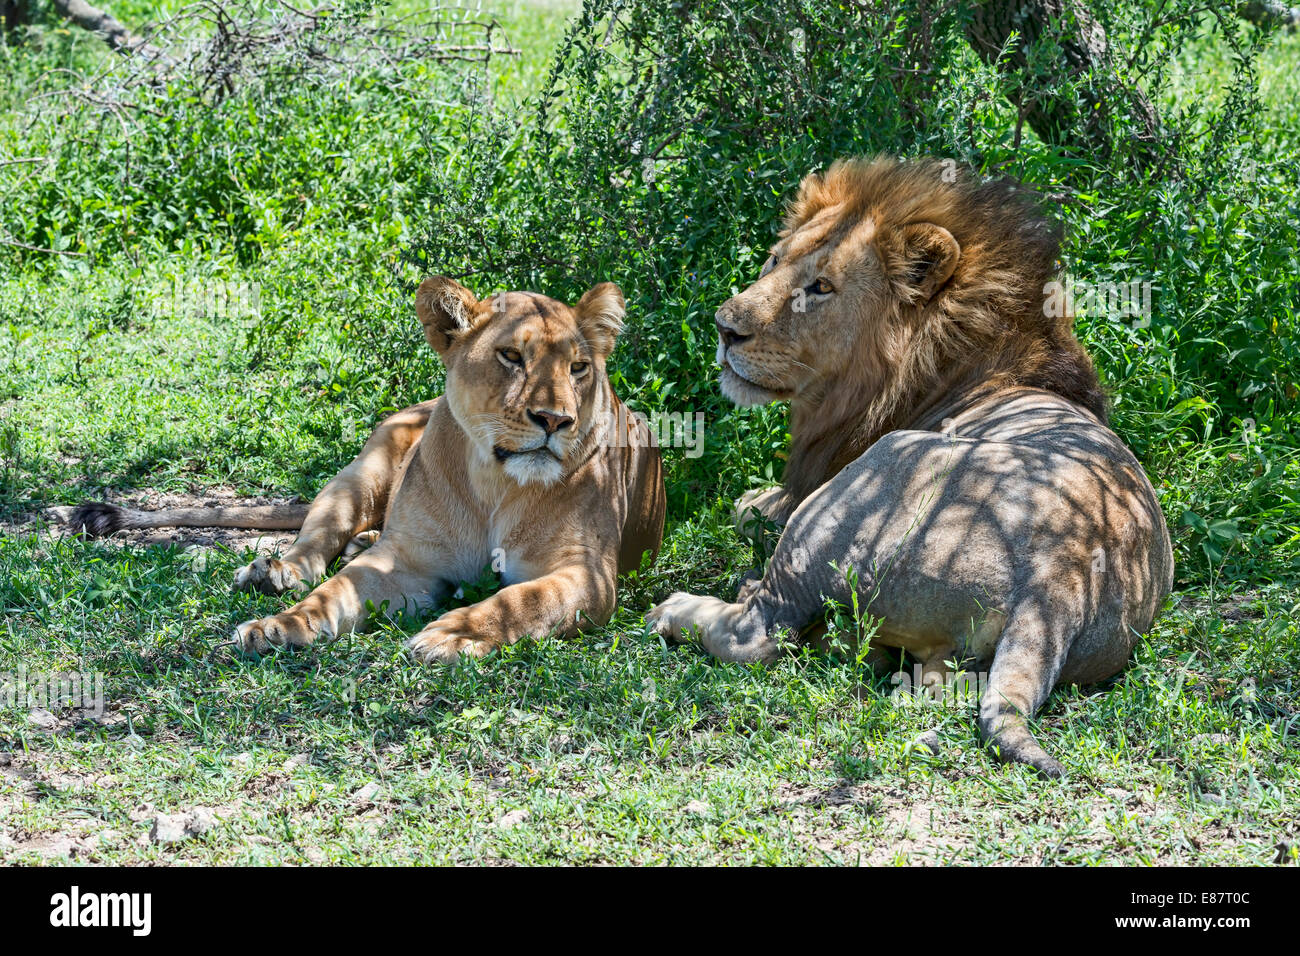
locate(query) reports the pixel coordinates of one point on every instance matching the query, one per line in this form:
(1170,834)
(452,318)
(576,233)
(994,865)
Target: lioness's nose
(551,422)
(728,335)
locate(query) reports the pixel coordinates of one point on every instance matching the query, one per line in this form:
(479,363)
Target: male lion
(528,461)
(948,444)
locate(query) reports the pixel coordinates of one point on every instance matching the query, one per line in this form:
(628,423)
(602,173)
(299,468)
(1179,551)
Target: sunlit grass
(619,749)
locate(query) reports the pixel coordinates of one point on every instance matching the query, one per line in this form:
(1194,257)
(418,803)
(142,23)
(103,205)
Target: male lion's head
(525,373)
(893,282)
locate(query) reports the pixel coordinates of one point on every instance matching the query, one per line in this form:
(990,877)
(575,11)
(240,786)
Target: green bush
(668,136)
(237,149)
(657,154)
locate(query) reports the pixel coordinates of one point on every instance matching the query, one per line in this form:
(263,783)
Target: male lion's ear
(445,308)
(600,316)
(928,259)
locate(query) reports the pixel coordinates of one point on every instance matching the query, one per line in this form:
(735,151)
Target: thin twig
(53,252)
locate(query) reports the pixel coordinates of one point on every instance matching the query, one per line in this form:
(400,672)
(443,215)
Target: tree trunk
(1077,125)
(1260,12)
(106,25)
(13,13)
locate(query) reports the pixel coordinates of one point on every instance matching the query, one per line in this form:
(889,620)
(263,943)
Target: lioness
(528,461)
(949,444)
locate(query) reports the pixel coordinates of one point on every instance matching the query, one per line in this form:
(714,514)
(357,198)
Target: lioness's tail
(97,518)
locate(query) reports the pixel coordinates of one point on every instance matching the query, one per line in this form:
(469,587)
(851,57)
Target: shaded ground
(610,748)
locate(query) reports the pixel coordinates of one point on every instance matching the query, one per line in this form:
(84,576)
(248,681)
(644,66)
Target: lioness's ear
(445,308)
(600,316)
(928,258)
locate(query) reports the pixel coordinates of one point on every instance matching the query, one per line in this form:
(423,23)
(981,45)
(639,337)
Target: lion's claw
(449,638)
(270,576)
(259,636)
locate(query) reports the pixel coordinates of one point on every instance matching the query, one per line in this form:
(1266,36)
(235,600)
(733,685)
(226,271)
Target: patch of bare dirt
(913,827)
(876,824)
(1237,607)
(77,835)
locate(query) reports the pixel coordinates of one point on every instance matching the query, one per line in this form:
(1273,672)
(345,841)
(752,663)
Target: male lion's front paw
(749,583)
(755,509)
(282,629)
(270,576)
(674,617)
(449,637)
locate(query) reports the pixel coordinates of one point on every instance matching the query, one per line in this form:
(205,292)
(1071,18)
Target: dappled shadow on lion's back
(1035,533)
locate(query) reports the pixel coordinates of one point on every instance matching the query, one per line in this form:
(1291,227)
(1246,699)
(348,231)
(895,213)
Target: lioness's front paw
(674,617)
(282,629)
(446,639)
(270,576)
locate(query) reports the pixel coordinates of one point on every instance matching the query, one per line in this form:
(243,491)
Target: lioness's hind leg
(353,502)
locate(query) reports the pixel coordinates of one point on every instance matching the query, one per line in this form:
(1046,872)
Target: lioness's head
(891,283)
(525,373)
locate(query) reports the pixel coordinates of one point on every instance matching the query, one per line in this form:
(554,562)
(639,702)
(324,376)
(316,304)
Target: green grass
(620,750)
(604,740)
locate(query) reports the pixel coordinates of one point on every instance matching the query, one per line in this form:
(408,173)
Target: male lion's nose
(551,422)
(728,335)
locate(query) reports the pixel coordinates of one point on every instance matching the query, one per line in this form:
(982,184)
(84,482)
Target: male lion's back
(942,530)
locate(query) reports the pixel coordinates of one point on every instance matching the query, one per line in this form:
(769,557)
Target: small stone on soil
(512,819)
(43,719)
(367,793)
(929,740)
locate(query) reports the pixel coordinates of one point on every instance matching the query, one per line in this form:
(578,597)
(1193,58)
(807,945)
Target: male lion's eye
(577,368)
(768,266)
(820,287)
(512,356)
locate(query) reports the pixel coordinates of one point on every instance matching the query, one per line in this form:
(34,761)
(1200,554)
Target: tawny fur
(986,324)
(528,463)
(948,444)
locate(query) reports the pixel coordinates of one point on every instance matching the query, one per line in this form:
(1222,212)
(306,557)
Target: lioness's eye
(577,368)
(512,356)
(820,287)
